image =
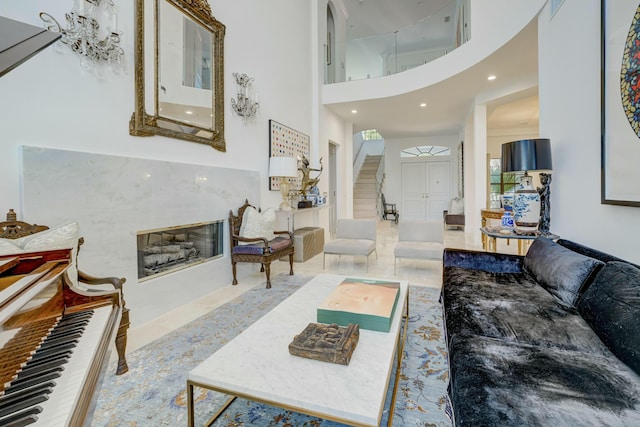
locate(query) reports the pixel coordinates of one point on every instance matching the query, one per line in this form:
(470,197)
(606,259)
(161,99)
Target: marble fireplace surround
(113,197)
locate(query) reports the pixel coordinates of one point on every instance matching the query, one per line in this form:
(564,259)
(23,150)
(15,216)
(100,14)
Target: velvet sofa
(551,338)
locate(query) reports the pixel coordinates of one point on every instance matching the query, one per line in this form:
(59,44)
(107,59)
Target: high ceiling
(448,102)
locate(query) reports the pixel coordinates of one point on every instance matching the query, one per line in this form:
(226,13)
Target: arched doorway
(330,49)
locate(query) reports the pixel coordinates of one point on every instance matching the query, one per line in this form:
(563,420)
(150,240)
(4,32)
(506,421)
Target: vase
(526,205)
(507,220)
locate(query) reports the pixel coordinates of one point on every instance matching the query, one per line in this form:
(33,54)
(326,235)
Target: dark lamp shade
(526,155)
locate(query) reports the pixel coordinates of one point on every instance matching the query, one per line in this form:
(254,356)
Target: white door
(425,190)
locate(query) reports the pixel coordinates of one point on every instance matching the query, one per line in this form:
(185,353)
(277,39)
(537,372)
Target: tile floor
(417,272)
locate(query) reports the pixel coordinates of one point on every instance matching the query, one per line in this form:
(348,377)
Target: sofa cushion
(274,245)
(419,250)
(484,261)
(590,252)
(350,246)
(561,271)
(611,305)
(495,383)
(512,307)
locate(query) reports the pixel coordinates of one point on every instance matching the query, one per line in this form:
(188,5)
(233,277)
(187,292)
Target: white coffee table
(256,364)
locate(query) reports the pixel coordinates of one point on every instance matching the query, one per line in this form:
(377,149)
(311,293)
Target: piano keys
(55,340)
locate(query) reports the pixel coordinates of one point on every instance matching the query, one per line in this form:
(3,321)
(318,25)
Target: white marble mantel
(113,197)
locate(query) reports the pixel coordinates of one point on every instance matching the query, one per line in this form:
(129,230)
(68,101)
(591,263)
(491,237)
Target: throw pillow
(560,271)
(62,237)
(457,206)
(8,247)
(611,306)
(256,224)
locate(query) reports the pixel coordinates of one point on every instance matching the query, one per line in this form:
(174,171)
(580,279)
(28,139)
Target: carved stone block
(328,343)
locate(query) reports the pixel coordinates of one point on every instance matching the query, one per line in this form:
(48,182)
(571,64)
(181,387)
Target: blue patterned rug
(153,392)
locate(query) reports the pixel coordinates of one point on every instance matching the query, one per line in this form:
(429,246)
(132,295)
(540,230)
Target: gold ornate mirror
(179,63)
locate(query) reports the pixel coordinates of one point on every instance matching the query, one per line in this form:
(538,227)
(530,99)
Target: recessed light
(354,111)
(491,77)
(423,104)
(189,112)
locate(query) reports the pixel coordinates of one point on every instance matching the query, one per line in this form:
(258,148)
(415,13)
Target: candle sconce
(84,34)
(244,106)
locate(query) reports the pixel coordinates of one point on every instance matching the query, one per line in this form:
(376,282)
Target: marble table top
(257,364)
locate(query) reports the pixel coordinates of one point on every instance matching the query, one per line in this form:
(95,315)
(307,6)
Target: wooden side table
(485,214)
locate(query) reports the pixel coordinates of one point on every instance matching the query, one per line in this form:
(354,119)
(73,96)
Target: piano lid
(20,41)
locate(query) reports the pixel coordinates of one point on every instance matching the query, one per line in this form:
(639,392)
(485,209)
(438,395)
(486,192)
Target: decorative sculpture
(545,203)
(307,181)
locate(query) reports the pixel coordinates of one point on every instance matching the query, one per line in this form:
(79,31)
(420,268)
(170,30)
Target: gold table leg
(483,237)
(402,337)
(190,409)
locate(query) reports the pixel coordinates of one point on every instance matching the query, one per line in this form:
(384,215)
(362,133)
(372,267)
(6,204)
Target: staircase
(365,192)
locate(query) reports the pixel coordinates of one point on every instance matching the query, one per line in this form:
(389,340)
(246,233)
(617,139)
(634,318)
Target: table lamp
(283,167)
(529,155)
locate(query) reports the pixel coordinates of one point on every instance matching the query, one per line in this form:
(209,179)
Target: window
(371,135)
(501,183)
(425,151)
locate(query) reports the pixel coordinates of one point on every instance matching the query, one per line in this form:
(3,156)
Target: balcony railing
(409,47)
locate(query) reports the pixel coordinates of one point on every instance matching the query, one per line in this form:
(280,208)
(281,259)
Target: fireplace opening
(165,250)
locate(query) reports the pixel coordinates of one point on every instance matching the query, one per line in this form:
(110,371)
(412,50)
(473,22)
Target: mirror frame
(144,124)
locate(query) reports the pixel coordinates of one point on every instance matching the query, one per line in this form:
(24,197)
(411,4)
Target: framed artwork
(620,80)
(286,142)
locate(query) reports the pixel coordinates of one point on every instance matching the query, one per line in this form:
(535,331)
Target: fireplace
(165,250)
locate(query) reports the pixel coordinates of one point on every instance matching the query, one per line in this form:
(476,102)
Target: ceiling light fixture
(354,111)
(423,104)
(491,77)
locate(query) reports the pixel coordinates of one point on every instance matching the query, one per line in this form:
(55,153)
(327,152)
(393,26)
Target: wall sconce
(244,106)
(84,34)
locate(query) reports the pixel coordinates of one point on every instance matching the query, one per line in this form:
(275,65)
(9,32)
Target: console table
(286,219)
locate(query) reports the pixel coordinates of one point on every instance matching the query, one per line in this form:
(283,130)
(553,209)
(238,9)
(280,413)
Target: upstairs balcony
(406,48)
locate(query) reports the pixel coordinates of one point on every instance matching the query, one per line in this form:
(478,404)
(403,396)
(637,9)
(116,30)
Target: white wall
(497,137)
(328,126)
(51,101)
(54,102)
(569,62)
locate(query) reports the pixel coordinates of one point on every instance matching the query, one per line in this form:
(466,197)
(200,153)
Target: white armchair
(353,237)
(419,239)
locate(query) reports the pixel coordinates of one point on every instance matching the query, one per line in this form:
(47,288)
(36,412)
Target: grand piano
(55,335)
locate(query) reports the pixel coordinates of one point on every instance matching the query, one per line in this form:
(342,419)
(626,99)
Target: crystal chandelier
(244,106)
(84,34)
